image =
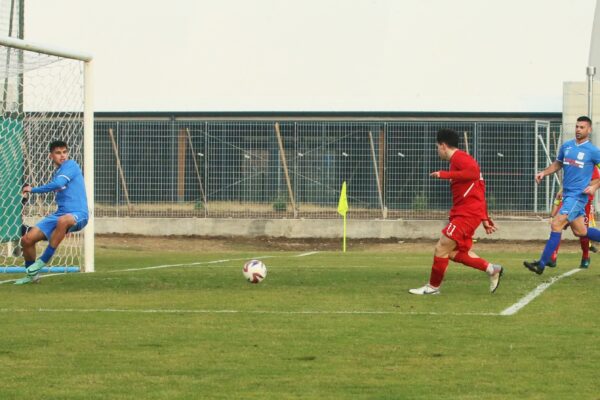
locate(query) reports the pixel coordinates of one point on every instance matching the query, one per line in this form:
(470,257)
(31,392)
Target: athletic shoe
(495,277)
(28,279)
(427,289)
(585,263)
(593,248)
(35,268)
(551,264)
(534,266)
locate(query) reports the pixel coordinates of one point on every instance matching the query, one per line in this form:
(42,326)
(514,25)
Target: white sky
(323,55)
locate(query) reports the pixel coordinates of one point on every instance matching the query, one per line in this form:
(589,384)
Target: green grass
(262,347)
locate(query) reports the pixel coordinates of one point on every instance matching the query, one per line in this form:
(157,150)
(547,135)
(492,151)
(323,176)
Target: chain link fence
(295,169)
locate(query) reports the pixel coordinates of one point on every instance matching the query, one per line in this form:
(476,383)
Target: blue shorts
(48,224)
(574,207)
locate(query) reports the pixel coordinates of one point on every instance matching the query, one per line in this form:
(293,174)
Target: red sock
(438,269)
(555,254)
(477,263)
(585,247)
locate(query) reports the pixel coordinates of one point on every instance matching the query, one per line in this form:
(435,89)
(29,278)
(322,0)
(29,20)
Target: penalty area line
(528,298)
(265,312)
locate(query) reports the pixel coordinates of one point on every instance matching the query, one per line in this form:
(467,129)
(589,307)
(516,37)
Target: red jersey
(467,185)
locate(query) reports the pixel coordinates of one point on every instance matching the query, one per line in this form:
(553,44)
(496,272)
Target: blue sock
(48,253)
(551,244)
(28,263)
(593,234)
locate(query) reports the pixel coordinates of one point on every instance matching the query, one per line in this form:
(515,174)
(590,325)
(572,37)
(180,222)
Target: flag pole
(343,210)
(344,241)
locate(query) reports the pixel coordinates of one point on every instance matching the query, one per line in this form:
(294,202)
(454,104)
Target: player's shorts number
(450,229)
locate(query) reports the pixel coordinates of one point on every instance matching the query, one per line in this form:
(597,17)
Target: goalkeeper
(71,215)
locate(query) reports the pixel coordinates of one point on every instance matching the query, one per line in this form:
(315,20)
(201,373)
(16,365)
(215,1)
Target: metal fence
(295,169)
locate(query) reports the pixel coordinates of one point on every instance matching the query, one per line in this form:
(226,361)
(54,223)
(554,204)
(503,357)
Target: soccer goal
(46,95)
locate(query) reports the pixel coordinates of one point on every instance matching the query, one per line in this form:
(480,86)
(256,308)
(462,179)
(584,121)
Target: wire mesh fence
(295,169)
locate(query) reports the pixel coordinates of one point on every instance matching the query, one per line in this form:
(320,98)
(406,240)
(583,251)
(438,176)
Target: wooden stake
(120,168)
(383,213)
(285,169)
(194,155)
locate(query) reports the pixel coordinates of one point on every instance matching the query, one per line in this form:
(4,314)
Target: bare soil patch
(217,244)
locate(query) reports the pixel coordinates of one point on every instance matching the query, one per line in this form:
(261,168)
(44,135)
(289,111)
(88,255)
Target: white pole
(591,71)
(88,165)
(535,170)
(43,48)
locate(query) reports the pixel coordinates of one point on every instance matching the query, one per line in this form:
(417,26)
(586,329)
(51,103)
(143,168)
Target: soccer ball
(255,271)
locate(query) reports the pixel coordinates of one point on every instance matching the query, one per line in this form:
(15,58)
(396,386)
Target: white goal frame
(88,130)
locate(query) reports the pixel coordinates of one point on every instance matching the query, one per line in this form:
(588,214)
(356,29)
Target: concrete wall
(312,228)
(575,104)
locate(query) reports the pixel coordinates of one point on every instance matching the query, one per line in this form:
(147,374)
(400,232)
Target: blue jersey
(67,182)
(578,162)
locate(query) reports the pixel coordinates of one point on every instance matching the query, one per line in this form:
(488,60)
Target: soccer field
(182,323)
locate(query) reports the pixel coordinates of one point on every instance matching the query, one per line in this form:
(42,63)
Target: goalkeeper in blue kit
(70,216)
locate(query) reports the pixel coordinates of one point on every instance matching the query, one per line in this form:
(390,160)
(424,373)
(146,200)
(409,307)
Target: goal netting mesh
(41,100)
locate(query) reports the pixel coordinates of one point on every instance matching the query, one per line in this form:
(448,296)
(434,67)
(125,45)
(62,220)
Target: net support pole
(88,164)
(383,208)
(285,169)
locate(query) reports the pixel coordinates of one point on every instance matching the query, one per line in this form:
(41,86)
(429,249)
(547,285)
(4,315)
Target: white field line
(512,310)
(188,311)
(147,268)
(195,264)
(41,276)
(310,253)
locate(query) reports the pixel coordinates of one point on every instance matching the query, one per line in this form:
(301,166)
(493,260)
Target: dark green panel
(11,178)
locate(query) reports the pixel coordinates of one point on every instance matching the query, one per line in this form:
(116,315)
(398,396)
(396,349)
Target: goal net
(43,97)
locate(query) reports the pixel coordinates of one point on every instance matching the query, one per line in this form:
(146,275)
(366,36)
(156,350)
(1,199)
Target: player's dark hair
(56,144)
(448,137)
(583,118)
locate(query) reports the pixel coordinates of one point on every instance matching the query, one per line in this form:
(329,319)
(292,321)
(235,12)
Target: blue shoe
(585,263)
(35,268)
(534,266)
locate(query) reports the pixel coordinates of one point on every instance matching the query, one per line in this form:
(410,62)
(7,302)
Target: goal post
(46,93)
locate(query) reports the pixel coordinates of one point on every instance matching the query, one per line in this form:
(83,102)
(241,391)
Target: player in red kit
(469,209)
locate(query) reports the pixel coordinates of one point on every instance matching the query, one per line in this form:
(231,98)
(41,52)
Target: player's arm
(595,183)
(487,222)
(556,204)
(552,168)
(592,187)
(466,170)
(66,174)
(57,183)
(489,226)
(461,175)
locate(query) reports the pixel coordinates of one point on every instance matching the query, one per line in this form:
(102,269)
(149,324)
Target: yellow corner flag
(342,210)
(343,203)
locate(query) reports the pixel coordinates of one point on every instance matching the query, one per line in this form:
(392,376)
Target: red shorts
(461,230)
